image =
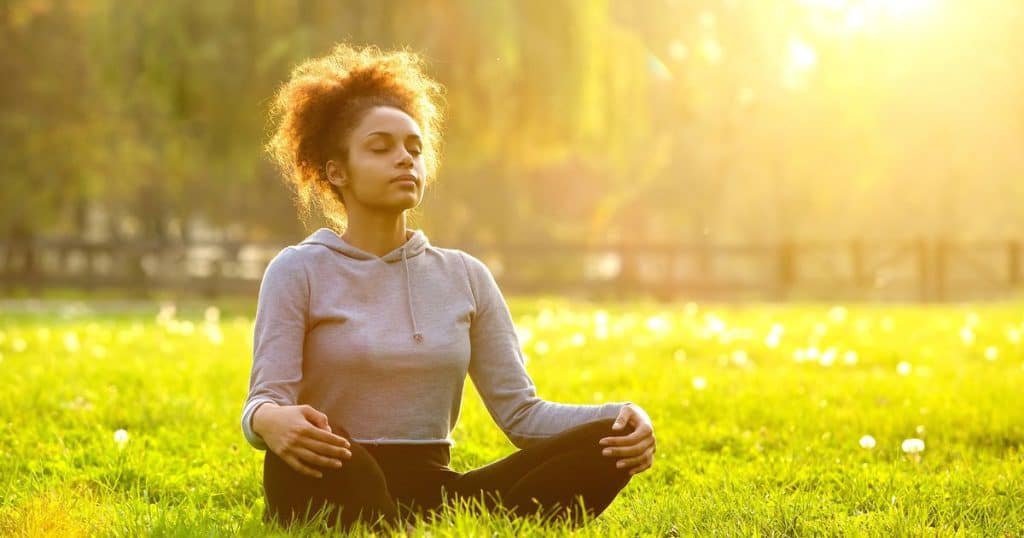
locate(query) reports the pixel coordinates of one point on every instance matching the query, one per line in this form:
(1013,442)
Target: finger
(624,415)
(640,469)
(325,449)
(294,463)
(309,457)
(633,461)
(327,437)
(316,417)
(641,431)
(631,450)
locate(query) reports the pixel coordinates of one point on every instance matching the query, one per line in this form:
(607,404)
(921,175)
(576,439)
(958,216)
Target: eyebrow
(387,134)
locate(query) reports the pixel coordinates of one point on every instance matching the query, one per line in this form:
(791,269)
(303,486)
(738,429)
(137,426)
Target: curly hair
(322,102)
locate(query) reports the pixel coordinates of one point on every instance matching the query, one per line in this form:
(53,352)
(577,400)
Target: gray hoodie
(382,344)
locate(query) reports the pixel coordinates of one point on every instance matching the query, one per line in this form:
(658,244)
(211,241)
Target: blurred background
(721,149)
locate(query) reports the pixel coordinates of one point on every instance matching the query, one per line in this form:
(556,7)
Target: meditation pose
(365,332)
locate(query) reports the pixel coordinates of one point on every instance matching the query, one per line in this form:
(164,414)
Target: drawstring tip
(417,337)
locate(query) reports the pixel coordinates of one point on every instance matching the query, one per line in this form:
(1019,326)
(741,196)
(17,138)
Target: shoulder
(289,264)
(289,257)
(475,268)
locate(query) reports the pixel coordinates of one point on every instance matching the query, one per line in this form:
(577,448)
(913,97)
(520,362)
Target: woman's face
(383,147)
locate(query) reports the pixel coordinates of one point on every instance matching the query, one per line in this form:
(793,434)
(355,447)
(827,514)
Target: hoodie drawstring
(408,287)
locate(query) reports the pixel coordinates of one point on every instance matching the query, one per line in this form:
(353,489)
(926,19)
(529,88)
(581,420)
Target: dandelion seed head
(828,357)
(214,334)
(991,353)
(903,368)
(837,314)
(690,309)
(972,319)
(71,342)
(967,336)
(867,442)
(167,313)
(912,446)
(699,383)
(212,314)
(121,437)
(658,324)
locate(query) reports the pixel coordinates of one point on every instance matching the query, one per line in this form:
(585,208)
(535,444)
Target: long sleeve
(282,313)
(498,372)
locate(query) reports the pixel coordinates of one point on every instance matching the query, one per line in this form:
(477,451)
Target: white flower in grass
(903,368)
(867,442)
(212,314)
(912,445)
(991,353)
(121,438)
(828,357)
(167,312)
(214,334)
(967,336)
(837,314)
(699,383)
(71,342)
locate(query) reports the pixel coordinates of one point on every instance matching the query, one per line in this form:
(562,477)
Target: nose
(406,158)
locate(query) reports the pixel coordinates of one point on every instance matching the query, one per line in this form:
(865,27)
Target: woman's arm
(498,371)
(282,313)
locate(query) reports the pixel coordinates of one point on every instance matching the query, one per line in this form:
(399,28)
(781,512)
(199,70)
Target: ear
(332,175)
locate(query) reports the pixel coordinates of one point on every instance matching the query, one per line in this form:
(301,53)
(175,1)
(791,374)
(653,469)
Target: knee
(599,429)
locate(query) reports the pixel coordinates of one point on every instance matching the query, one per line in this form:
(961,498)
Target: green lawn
(760,412)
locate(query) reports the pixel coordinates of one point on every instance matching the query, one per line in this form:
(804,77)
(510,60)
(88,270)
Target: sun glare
(859,14)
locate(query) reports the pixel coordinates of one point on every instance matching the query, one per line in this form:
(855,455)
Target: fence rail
(911,269)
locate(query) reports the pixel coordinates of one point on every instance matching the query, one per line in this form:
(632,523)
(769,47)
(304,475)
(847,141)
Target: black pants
(388,484)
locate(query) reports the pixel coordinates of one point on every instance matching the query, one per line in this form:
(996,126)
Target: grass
(757,434)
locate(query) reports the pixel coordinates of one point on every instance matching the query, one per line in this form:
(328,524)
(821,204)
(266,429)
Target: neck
(376,235)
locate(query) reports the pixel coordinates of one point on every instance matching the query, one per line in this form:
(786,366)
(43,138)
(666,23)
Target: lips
(405,177)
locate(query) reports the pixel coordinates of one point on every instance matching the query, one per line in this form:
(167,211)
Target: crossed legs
(564,477)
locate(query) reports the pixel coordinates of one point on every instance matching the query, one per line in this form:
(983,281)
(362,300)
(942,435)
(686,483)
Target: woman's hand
(301,437)
(636,450)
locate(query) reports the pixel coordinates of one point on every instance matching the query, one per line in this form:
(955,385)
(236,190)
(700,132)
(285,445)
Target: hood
(416,242)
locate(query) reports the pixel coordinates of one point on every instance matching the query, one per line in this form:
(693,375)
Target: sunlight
(857,15)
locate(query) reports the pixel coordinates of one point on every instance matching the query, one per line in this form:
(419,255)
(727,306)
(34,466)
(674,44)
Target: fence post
(857,261)
(1013,258)
(941,251)
(923,273)
(786,268)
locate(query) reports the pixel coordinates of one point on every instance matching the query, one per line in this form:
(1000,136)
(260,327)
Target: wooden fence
(902,270)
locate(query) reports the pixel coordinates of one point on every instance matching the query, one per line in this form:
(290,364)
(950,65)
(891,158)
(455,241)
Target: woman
(363,340)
